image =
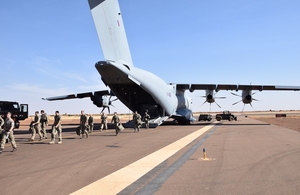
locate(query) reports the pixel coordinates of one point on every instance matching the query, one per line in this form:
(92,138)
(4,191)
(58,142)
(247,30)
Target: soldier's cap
(42,111)
(57,111)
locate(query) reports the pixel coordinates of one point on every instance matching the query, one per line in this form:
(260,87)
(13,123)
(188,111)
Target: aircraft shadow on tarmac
(174,123)
(252,124)
(170,123)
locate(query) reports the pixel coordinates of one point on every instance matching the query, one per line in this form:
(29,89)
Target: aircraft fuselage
(140,90)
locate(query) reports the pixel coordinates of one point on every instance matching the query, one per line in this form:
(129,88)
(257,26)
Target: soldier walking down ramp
(8,133)
(103,122)
(146,119)
(83,124)
(44,123)
(118,126)
(91,123)
(56,129)
(36,127)
(137,122)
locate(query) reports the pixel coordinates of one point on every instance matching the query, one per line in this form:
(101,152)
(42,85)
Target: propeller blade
(102,109)
(235,94)
(203,103)
(255,99)
(108,110)
(251,106)
(218,105)
(236,102)
(220,97)
(114,100)
(243,108)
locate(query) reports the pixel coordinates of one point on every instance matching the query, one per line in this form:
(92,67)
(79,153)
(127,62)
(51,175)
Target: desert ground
(290,122)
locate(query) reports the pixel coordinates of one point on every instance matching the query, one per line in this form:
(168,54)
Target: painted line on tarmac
(120,179)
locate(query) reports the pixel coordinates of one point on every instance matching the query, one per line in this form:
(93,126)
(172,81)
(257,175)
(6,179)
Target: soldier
(1,124)
(83,123)
(91,123)
(44,123)
(56,128)
(103,121)
(137,122)
(146,119)
(8,133)
(116,121)
(35,126)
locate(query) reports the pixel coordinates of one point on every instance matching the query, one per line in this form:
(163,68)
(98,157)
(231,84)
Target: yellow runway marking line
(119,180)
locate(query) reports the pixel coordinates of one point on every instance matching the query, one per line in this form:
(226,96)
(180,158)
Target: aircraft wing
(218,87)
(79,95)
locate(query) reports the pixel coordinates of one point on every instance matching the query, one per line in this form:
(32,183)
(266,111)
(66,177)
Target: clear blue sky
(49,48)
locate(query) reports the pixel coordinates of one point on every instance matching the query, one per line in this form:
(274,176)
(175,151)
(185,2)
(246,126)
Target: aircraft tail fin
(111,32)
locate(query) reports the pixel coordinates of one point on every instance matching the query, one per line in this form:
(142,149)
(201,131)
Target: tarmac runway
(242,157)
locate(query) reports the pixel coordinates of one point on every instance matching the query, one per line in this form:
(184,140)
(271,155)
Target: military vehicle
(205,117)
(18,112)
(226,115)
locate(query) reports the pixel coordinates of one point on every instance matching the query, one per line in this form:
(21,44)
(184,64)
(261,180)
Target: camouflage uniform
(116,121)
(103,122)
(91,124)
(44,124)
(36,127)
(1,124)
(56,128)
(146,119)
(137,122)
(8,132)
(83,123)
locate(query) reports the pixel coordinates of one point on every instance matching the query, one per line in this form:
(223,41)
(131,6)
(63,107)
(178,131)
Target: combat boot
(52,142)
(59,142)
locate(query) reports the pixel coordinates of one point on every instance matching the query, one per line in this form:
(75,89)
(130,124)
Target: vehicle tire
(235,118)
(219,118)
(230,118)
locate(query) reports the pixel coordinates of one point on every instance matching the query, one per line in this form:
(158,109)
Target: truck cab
(18,111)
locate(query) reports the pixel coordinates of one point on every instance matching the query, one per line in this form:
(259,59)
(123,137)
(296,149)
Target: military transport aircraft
(138,89)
